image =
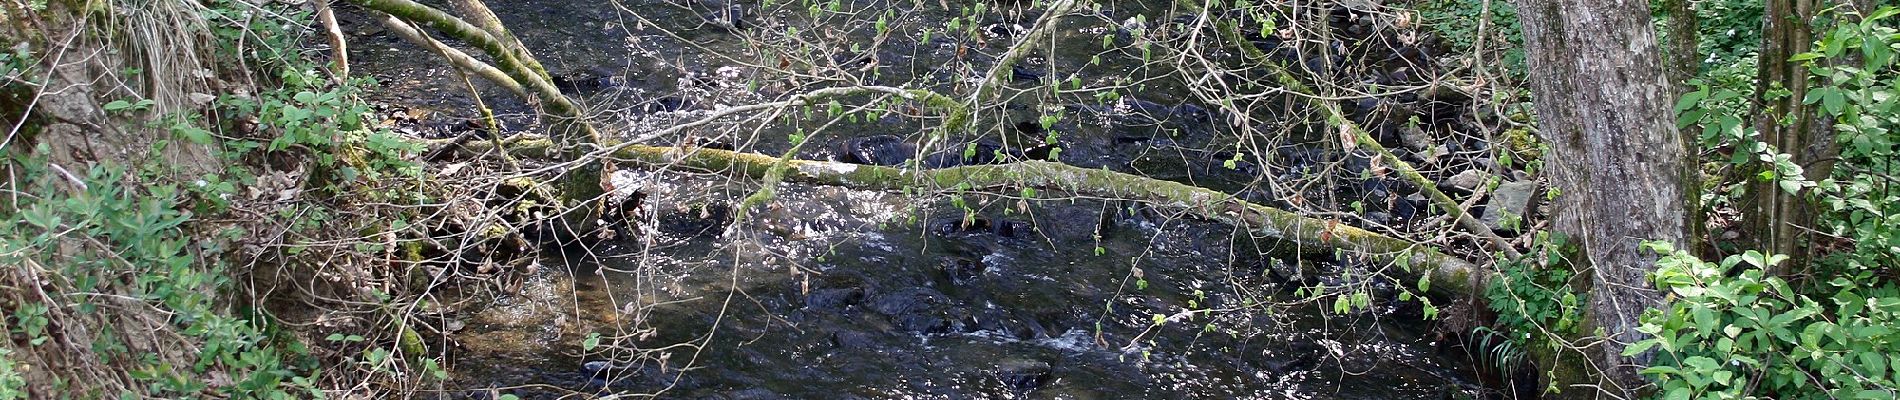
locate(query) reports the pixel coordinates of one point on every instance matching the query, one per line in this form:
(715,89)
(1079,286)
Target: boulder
(1512,198)
(1466,181)
(1023,375)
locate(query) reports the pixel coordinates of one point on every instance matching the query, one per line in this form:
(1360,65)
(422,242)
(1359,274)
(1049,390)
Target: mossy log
(1445,271)
(570,124)
(459,59)
(523,72)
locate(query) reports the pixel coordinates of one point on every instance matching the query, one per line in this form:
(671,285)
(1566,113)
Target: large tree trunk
(1780,220)
(1604,105)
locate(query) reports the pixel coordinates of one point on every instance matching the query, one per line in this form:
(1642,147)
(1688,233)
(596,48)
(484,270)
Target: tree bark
(1684,63)
(1778,219)
(478,14)
(1605,106)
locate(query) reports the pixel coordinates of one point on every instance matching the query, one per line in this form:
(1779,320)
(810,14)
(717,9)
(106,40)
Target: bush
(1732,333)
(115,259)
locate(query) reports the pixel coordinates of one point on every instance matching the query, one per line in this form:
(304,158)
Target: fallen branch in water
(468,64)
(1444,270)
(522,71)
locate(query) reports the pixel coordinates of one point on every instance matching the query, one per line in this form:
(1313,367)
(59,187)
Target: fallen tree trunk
(1444,270)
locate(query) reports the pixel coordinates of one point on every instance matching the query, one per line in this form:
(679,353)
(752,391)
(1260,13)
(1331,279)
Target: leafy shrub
(1530,295)
(1732,333)
(97,235)
(1860,201)
(1728,31)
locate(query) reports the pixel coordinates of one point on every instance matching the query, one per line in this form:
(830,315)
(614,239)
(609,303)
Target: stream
(828,292)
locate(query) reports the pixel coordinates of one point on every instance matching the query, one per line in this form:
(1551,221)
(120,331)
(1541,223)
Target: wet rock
(1020,73)
(668,104)
(1416,139)
(851,340)
(1023,375)
(1378,217)
(1138,112)
(589,80)
(1466,181)
(1513,198)
(1003,31)
(1194,114)
(912,310)
(1290,275)
(959,227)
(884,150)
(1042,152)
(963,270)
(920,323)
(729,16)
(1013,229)
(833,300)
(904,301)
(1001,322)
(746,394)
(604,372)
(1262,195)
(981,152)
(711,143)
(1409,208)
(1030,128)
(698,221)
(1303,355)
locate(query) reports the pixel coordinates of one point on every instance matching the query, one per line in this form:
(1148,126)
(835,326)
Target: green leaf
(1702,364)
(1639,347)
(1834,101)
(1689,100)
(1790,186)
(1874,394)
(592,341)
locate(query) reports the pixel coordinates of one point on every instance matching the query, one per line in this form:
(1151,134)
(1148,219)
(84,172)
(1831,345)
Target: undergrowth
(135,283)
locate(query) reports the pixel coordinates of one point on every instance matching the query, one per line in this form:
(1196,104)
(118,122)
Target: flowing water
(827,292)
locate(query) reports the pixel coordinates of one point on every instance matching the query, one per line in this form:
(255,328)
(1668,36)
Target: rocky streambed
(895,302)
(828,292)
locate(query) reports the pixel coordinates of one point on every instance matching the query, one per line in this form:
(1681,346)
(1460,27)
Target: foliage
(1730,331)
(1533,295)
(98,235)
(117,245)
(1728,31)
(1860,201)
(1455,21)
(1733,333)
(1852,84)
